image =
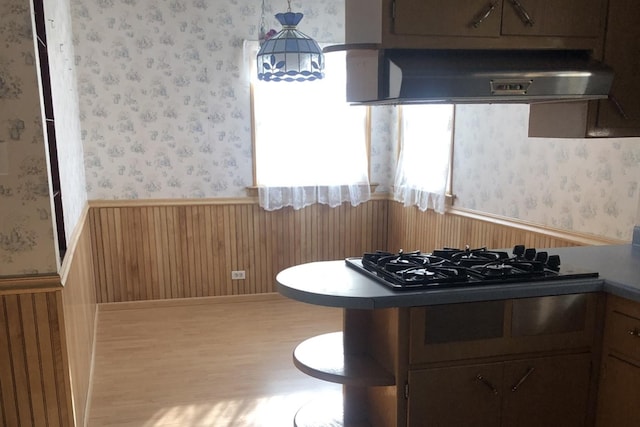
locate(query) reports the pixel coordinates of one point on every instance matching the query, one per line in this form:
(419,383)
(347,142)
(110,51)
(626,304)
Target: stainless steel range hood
(400,76)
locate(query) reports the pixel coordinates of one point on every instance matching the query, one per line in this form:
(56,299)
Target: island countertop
(332,283)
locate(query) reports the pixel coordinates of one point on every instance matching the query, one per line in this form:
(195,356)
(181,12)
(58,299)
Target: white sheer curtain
(310,145)
(422,173)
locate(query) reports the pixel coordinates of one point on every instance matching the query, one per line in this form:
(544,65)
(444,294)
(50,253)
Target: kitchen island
(494,334)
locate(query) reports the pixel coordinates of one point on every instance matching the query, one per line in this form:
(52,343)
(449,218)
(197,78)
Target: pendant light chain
(289,3)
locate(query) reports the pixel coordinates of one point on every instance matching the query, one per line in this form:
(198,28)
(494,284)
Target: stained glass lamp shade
(290,55)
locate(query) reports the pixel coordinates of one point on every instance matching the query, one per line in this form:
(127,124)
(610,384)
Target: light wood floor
(215,362)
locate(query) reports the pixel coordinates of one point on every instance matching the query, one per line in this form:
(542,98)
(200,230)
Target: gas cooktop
(449,267)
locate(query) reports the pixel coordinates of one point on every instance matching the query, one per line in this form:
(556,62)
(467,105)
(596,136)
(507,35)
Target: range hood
(410,76)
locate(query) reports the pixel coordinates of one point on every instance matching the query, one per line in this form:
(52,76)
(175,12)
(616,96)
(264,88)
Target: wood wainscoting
(34,384)
(411,229)
(176,250)
(80,310)
(148,250)
(46,341)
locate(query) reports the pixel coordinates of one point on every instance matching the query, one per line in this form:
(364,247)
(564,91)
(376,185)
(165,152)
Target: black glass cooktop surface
(450,267)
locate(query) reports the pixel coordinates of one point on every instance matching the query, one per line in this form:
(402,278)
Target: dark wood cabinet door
(564,18)
(447,18)
(483,18)
(549,391)
(618,394)
(620,115)
(455,396)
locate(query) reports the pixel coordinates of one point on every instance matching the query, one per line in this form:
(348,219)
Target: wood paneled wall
(411,229)
(177,251)
(79,302)
(34,381)
(46,341)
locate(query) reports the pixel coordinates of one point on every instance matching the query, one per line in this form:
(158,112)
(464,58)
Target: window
(424,165)
(310,145)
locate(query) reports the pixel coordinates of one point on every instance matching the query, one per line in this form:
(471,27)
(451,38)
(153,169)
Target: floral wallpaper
(26,230)
(164,94)
(384,147)
(586,185)
(164,104)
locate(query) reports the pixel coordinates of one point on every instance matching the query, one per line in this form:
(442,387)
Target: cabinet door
(455,396)
(618,394)
(623,334)
(566,18)
(448,18)
(550,391)
(620,115)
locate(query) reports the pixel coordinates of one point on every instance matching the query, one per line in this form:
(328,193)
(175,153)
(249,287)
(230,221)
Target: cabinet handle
(523,379)
(522,12)
(618,107)
(634,332)
(486,382)
(482,16)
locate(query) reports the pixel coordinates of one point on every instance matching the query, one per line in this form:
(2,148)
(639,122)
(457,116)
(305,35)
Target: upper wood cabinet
(617,116)
(437,18)
(477,24)
(566,18)
(608,29)
(494,18)
(620,115)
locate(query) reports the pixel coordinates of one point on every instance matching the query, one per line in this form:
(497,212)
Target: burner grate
(449,267)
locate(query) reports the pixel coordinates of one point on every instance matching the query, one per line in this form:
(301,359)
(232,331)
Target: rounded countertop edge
(426,298)
(377,296)
(325,299)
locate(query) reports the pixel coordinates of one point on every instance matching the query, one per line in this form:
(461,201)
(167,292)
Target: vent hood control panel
(510,87)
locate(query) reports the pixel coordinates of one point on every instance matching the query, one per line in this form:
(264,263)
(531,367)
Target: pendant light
(290,55)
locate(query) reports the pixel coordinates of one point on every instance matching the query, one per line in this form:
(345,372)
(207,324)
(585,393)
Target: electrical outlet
(237,275)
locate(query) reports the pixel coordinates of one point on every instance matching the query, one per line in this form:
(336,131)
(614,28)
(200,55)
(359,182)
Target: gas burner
(450,267)
(431,274)
(496,269)
(469,257)
(400,261)
(395,263)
